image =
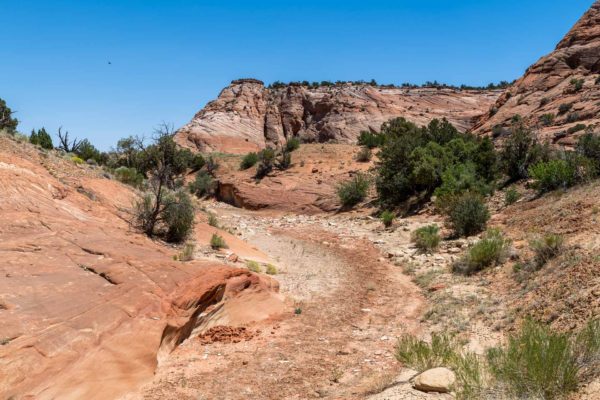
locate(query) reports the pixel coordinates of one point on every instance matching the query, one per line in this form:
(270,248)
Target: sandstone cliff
(559,94)
(248,116)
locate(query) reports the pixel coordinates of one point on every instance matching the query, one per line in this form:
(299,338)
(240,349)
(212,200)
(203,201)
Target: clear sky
(169,57)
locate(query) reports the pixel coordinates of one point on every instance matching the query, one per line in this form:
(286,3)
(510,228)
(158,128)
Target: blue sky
(168,58)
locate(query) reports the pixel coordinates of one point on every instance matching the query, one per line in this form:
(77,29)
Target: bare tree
(66,144)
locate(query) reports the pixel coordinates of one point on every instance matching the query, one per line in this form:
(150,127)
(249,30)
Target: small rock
(315,170)
(435,380)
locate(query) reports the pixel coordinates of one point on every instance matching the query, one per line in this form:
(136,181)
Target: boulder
(435,380)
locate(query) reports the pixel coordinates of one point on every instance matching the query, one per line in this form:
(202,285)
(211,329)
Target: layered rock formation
(88,306)
(248,116)
(559,95)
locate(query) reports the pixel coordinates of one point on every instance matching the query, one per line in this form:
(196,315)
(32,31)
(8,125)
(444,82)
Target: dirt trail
(347,306)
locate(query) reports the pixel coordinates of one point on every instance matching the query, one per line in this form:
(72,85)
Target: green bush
(249,161)
(546,248)
(572,117)
(426,238)
(511,196)
(536,363)
(217,242)
(520,151)
(271,269)
(266,158)
(577,84)
(576,128)
(178,216)
(387,217)
(547,119)
(414,161)
(7,122)
(467,214)
(564,108)
(212,220)
(292,144)
(364,154)
(568,170)
(203,185)
(41,138)
(552,175)
(129,176)
(253,266)
(588,146)
(492,249)
(457,179)
(353,191)
(77,160)
(187,253)
(370,140)
(284,160)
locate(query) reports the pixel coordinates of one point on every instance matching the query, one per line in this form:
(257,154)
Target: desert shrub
(572,117)
(414,160)
(271,269)
(443,351)
(457,179)
(588,146)
(568,170)
(544,101)
(387,217)
(426,238)
(129,176)
(249,161)
(212,220)
(490,250)
(587,349)
(77,160)
(284,160)
(292,144)
(552,175)
(564,108)
(187,253)
(577,84)
(546,248)
(178,216)
(370,140)
(211,165)
(266,158)
(511,196)
(203,185)
(217,242)
(364,154)
(520,151)
(253,266)
(576,128)
(467,214)
(41,138)
(7,122)
(547,119)
(353,191)
(197,161)
(536,363)
(87,151)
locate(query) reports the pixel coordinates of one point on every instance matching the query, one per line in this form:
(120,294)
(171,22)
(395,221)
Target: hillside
(248,116)
(560,94)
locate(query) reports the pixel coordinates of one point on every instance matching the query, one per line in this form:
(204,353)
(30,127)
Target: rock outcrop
(248,116)
(438,380)
(559,95)
(88,306)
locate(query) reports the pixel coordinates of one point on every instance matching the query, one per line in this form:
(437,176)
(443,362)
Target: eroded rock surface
(248,116)
(89,307)
(551,83)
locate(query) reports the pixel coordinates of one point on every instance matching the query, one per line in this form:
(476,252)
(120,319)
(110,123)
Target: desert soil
(347,305)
